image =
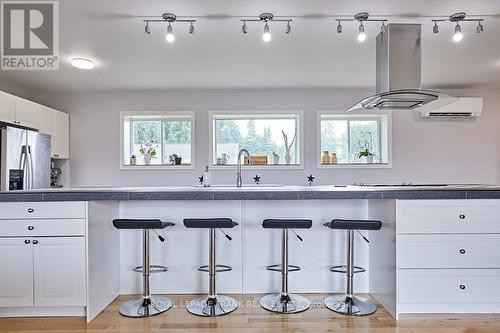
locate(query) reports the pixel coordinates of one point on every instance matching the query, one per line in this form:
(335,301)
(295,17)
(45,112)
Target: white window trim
(300,138)
(166,114)
(387,165)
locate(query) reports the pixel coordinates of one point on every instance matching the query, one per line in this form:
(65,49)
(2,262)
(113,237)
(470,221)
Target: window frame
(299,114)
(163,114)
(380,116)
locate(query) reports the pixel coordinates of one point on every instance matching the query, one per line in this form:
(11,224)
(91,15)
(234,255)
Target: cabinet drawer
(449,251)
(42,210)
(440,286)
(449,216)
(34,228)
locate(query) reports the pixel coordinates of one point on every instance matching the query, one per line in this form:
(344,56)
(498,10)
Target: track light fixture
(170,19)
(458,18)
(267,18)
(361,18)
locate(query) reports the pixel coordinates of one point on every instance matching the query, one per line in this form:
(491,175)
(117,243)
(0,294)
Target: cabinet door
(16,262)
(47,121)
(59,271)
(61,137)
(7,109)
(26,113)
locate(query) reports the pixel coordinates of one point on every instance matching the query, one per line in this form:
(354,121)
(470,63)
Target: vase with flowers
(148,152)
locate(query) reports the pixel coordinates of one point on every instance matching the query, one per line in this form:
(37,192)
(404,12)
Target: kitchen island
(440,240)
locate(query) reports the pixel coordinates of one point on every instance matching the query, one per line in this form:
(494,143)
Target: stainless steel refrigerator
(24,159)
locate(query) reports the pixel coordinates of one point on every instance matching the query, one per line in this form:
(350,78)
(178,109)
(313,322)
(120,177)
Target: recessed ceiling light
(82,63)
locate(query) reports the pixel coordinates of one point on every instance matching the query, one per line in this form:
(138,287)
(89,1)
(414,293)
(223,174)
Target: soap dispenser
(207,177)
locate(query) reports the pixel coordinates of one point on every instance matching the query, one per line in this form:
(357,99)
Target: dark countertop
(252,192)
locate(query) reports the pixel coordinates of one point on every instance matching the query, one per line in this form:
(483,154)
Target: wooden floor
(250,318)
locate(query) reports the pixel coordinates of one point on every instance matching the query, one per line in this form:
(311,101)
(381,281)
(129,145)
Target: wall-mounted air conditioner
(464,107)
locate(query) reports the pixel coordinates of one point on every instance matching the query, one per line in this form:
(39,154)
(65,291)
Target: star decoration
(200,180)
(310,179)
(256,179)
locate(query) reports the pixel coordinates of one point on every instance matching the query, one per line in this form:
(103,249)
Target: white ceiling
(220,56)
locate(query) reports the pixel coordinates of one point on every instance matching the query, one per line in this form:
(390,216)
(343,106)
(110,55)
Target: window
(354,139)
(273,139)
(157,139)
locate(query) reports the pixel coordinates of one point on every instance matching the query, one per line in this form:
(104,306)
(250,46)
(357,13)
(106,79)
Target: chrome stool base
(352,306)
(285,304)
(200,307)
(145,307)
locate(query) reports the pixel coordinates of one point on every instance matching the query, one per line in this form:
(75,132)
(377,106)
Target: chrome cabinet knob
(30,227)
(461,286)
(35,241)
(27,241)
(462,251)
(30,210)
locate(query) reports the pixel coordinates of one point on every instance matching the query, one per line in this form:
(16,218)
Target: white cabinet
(42,255)
(19,111)
(56,124)
(26,113)
(448,256)
(7,108)
(59,271)
(16,260)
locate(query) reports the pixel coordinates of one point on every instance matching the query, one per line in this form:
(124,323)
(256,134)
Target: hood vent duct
(398,83)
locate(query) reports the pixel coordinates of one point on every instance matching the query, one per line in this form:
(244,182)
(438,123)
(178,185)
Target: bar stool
(284,302)
(148,305)
(347,303)
(212,304)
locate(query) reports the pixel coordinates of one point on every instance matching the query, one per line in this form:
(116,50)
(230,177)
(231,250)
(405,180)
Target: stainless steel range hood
(398,85)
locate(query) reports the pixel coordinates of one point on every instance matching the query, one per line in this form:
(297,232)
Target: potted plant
(366,153)
(288,145)
(276,158)
(148,152)
(175,159)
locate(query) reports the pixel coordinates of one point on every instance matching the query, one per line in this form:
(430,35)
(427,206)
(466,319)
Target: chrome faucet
(239,181)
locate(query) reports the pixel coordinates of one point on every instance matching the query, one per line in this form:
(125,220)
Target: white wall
(423,151)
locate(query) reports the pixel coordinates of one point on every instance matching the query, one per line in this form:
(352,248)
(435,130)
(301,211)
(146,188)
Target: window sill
(260,167)
(356,166)
(157,167)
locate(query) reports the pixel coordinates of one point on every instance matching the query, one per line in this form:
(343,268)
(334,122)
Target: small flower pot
(276,160)
(147,160)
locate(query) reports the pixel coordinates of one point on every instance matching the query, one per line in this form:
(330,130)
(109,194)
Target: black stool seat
(210,223)
(354,224)
(286,224)
(141,224)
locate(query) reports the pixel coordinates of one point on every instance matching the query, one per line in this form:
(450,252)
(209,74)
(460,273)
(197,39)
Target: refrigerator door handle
(30,167)
(23,165)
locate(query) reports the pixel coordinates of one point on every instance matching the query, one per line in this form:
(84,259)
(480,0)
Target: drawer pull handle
(461,286)
(462,216)
(30,210)
(462,251)
(27,241)
(30,227)
(36,242)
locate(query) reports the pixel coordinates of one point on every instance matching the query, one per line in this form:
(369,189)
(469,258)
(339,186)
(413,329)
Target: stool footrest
(277,268)
(218,268)
(152,269)
(343,269)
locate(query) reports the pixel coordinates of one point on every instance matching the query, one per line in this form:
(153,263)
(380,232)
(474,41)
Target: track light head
(288,29)
(458,36)
(480,27)
(339,27)
(244,29)
(435,28)
(191,28)
(147,31)
(361,33)
(170,34)
(267,34)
